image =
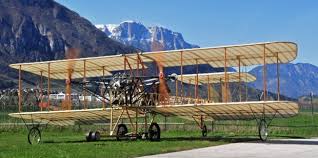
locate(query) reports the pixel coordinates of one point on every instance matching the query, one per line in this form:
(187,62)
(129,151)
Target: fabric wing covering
(72,117)
(231,111)
(212,111)
(206,78)
(244,55)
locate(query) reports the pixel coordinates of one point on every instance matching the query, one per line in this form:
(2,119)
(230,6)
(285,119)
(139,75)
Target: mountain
(145,38)
(295,79)
(152,38)
(38,30)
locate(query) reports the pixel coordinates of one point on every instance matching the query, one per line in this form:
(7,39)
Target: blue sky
(213,23)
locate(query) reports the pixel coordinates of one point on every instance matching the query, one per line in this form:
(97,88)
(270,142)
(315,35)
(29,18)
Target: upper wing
(246,55)
(94,66)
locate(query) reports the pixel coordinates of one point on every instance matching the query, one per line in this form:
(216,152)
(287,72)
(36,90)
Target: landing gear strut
(34,136)
(202,126)
(204,131)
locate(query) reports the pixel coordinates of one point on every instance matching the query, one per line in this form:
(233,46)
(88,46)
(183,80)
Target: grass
(69,142)
(66,144)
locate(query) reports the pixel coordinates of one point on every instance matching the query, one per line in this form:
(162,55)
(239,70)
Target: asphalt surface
(287,148)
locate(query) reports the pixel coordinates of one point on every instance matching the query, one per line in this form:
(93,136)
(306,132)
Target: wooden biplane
(135,92)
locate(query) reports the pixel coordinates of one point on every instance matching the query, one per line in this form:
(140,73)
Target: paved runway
(291,148)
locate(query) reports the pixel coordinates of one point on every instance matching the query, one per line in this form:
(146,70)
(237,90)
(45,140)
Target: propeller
(163,89)
(71,53)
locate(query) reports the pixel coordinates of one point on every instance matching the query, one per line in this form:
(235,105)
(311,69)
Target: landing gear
(204,131)
(154,132)
(201,125)
(121,132)
(92,136)
(34,136)
(96,136)
(262,130)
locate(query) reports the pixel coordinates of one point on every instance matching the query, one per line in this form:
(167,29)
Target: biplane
(129,89)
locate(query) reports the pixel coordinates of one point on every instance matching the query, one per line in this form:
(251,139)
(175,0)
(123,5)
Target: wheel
(121,131)
(34,136)
(154,132)
(89,136)
(95,136)
(262,130)
(204,131)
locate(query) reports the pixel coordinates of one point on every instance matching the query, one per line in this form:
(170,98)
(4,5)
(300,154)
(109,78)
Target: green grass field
(69,142)
(66,144)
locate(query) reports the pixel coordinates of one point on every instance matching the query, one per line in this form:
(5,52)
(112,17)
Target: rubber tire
(95,136)
(29,135)
(261,125)
(204,131)
(151,134)
(121,135)
(89,136)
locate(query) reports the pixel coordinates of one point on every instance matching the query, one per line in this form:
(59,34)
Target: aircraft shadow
(77,141)
(211,138)
(229,139)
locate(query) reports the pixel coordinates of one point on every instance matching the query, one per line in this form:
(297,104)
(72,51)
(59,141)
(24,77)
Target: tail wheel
(262,130)
(204,131)
(121,131)
(34,136)
(154,132)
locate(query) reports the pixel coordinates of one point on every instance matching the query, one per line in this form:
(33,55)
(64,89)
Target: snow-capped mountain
(145,38)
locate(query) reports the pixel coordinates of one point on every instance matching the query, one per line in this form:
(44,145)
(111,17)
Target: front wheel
(154,132)
(121,132)
(262,130)
(34,136)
